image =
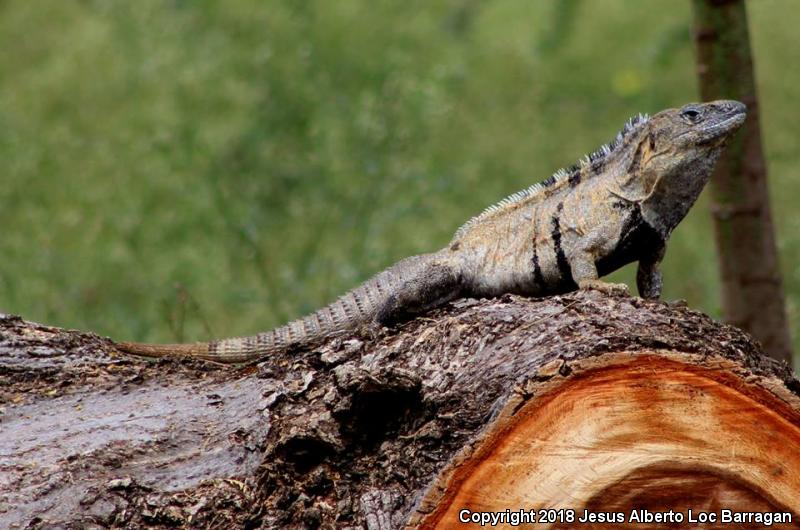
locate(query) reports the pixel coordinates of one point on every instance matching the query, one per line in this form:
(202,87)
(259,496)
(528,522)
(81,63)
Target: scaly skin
(618,205)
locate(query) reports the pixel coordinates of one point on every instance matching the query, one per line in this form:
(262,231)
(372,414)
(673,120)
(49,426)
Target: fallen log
(570,403)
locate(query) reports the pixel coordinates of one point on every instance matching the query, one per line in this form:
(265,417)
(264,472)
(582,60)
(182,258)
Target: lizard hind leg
(428,287)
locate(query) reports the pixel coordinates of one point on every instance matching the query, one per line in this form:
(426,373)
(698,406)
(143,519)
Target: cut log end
(628,433)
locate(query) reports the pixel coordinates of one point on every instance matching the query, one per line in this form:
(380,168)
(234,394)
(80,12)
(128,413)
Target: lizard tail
(237,349)
(198,350)
(248,349)
(355,308)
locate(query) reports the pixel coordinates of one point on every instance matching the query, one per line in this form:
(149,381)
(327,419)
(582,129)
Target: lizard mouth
(722,129)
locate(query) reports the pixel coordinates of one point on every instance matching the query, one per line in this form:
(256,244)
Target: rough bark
(752,291)
(396,430)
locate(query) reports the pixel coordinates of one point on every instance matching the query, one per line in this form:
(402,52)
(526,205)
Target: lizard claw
(619,289)
(680,303)
(371,330)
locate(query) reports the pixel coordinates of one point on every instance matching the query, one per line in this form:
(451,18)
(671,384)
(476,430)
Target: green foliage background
(176,169)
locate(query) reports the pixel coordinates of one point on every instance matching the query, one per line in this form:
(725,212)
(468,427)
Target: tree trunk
(572,402)
(752,291)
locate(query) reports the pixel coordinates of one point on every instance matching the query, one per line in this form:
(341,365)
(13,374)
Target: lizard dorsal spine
(557,180)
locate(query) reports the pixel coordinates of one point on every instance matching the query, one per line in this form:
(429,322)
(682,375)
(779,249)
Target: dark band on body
(564,269)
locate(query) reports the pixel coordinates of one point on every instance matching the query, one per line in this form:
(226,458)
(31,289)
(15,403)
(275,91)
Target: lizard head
(673,156)
(696,128)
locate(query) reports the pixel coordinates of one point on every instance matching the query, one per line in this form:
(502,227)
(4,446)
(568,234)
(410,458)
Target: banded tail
(355,308)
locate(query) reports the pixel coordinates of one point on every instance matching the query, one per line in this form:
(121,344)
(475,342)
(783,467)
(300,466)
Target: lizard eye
(690,114)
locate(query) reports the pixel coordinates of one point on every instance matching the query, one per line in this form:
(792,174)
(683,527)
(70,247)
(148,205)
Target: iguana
(617,205)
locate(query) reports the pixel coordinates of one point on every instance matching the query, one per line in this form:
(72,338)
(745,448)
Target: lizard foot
(371,330)
(605,287)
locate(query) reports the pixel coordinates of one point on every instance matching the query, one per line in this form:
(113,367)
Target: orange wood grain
(649,432)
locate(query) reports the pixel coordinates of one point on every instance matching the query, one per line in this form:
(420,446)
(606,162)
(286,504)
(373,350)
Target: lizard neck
(675,193)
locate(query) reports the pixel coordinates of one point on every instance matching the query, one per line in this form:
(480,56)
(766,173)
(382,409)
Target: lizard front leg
(584,270)
(584,273)
(648,274)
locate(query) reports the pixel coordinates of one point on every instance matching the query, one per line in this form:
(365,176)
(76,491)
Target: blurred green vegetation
(176,169)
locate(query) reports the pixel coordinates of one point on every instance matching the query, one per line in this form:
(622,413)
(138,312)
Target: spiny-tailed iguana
(617,205)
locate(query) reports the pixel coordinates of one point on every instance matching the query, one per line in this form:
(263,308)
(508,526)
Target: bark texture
(393,431)
(752,290)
